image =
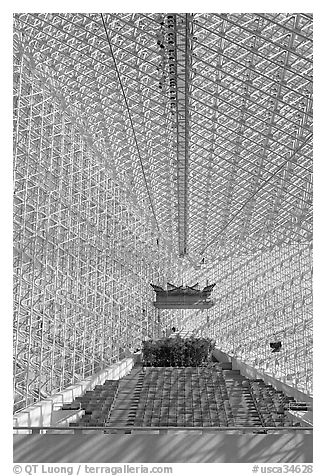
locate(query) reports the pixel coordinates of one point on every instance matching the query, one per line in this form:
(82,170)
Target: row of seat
(272,404)
(182,396)
(96,403)
(214,395)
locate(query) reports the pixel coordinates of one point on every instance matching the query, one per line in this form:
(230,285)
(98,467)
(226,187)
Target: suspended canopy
(183,297)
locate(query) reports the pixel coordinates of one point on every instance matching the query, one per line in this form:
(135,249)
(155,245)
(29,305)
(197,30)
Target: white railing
(162,429)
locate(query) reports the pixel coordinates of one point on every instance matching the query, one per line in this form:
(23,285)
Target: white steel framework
(262,297)
(140,138)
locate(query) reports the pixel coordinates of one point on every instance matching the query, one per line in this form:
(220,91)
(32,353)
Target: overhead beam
(179,51)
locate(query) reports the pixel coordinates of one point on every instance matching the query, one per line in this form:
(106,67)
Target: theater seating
(272,404)
(96,403)
(208,396)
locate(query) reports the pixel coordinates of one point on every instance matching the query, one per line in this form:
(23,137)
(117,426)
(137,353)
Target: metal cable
(131,121)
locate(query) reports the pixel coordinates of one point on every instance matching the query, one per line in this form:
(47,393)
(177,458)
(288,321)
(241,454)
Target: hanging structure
(183,297)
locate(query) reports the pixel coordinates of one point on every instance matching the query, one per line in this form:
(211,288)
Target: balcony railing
(160,429)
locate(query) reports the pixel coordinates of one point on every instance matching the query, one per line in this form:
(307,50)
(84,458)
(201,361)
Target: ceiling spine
(179,50)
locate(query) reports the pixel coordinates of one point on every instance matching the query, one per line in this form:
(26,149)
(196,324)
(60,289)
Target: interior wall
(261,298)
(85,251)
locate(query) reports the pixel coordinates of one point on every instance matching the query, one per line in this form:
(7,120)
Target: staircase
(124,408)
(242,408)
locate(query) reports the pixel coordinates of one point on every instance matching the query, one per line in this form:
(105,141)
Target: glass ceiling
(208,117)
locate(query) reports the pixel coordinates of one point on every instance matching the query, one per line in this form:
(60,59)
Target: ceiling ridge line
(131,123)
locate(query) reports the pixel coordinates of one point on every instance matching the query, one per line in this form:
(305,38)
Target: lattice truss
(220,108)
(74,51)
(250,175)
(84,253)
(261,298)
(161,134)
(250,132)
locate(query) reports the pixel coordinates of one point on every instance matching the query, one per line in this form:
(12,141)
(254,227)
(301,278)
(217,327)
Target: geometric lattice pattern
(83,252)
(262,298)
(142,138)
(251,132)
